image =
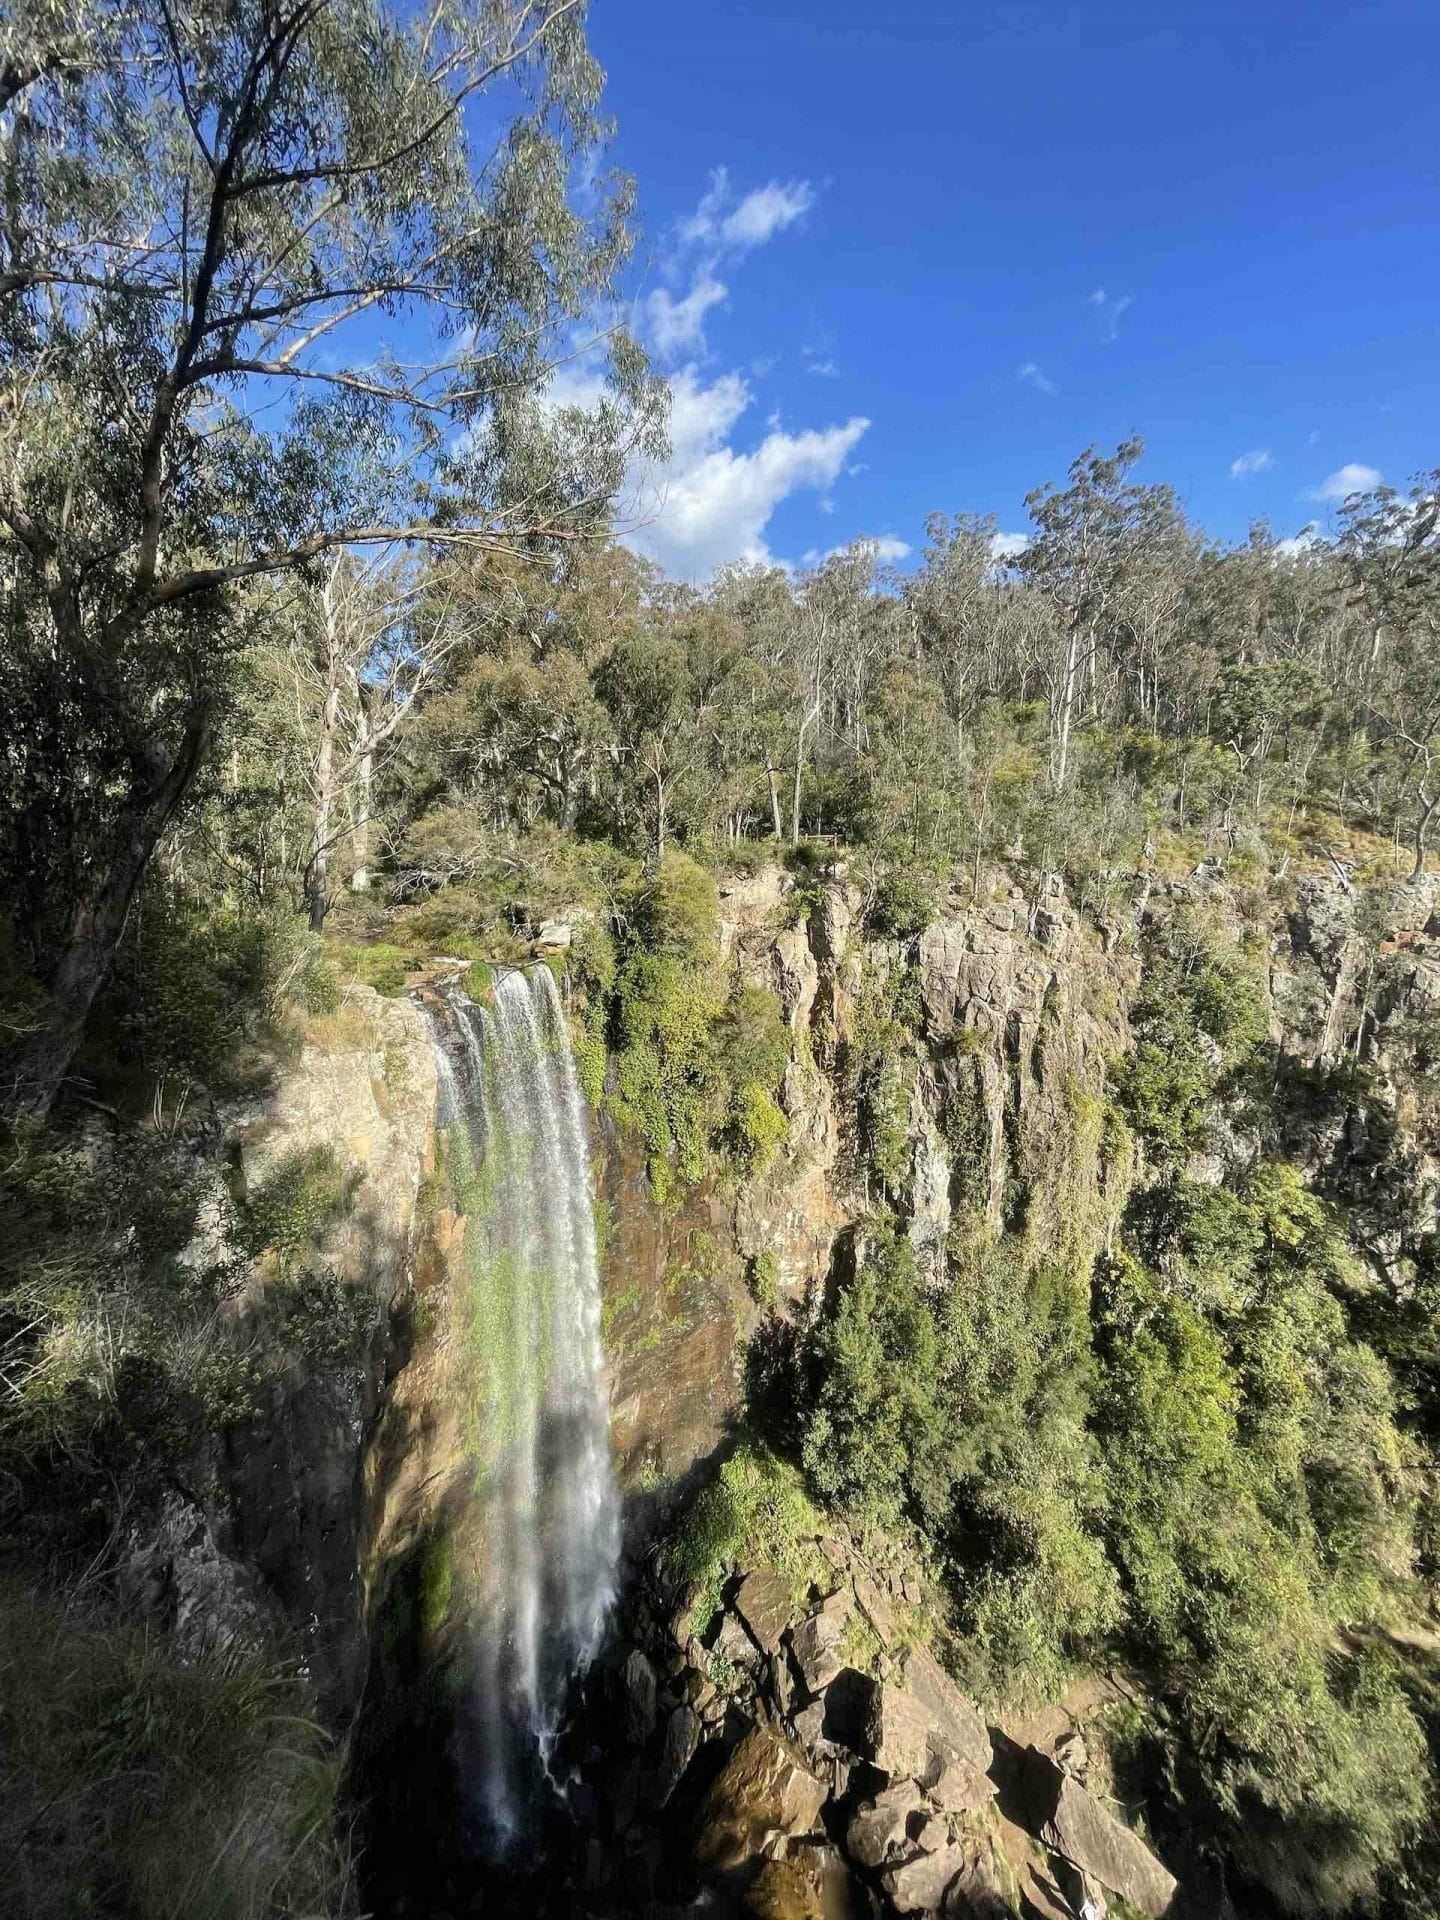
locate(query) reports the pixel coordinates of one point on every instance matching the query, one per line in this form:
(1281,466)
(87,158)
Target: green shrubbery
(164,1789)
(755,1512)
(695,1062)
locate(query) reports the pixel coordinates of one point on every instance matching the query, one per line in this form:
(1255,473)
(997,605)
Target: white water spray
(544,1496)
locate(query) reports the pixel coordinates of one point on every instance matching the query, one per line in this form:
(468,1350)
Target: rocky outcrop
(810,1746)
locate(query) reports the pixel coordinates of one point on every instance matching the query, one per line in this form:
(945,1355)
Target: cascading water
(545,1514)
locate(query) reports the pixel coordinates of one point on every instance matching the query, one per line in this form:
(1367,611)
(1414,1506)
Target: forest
(326,652)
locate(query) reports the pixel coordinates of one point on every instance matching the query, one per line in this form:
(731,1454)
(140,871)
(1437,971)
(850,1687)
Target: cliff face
(262,1537)
(995,1105)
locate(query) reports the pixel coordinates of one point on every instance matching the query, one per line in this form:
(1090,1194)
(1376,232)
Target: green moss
(437,1581)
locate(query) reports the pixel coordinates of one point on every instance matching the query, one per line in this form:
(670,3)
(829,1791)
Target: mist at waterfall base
(545,1513)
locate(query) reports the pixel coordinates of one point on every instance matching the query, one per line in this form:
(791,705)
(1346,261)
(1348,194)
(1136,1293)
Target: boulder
(880,1830)
(682,1737)
(733,1643)
(897,1732)
(959,1731)
(961,1788)
(815,1643)
(764,1789)
(932,1833)
(554,934)
(1069,1819)
(765,1606)
(637,1682)
(919,1885)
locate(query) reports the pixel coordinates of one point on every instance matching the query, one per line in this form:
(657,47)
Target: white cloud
(1353,477)
(1033,377)
(764,212)
(826,369)
(1300,542)
(710,503)
(678,326)
(1111,312)
(887,548)
(1258,460)
(716,230)
(1005,546)
(767,211)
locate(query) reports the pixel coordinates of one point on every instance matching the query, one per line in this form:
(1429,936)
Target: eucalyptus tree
(1085,538)
(277,278)
(1390,544)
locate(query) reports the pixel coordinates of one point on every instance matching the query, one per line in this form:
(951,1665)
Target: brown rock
(682,1737)
(961,1788)
(881,1829)
(953,1718)
(897,1732)
(764,1788)
(815,1643)
(918,1886)
(766,1608)
(1071,1821)
(638,1683)
(783,1890)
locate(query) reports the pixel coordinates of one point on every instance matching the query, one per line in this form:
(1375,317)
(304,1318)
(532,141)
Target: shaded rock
(881,1829)
(637,1682)
(1041,1898)
(809,1724)
(815,1643)
(1071,1821)
(765,1606)
(784,1890)
(932,1833)
(847,1702)
(764,1788)
(961,1788)
(919,1885)
(733,1643)
(682,1737)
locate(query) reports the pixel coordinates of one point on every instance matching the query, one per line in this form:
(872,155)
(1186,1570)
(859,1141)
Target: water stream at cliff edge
(544,1500)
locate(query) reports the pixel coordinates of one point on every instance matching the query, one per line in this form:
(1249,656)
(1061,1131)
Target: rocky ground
(806,1756)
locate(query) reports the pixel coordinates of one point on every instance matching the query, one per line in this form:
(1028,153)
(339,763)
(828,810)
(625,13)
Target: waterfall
(543,1510)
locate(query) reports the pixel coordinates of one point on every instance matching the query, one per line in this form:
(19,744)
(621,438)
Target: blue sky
(952,245)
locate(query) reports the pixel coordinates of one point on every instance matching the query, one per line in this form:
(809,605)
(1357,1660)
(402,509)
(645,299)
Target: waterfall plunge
(543,1501)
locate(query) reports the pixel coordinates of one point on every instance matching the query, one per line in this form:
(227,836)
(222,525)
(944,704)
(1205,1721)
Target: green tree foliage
(205,206)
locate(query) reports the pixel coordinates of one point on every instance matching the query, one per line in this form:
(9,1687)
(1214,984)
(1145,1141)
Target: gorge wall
(336,1515)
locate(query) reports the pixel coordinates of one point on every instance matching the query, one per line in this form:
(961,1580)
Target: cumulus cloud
(1258,460)
(1005,546)
(1353,477)
(678,326)
(711,502)
(1033,377)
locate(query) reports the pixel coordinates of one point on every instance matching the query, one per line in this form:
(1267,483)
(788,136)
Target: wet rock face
(764,1791)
